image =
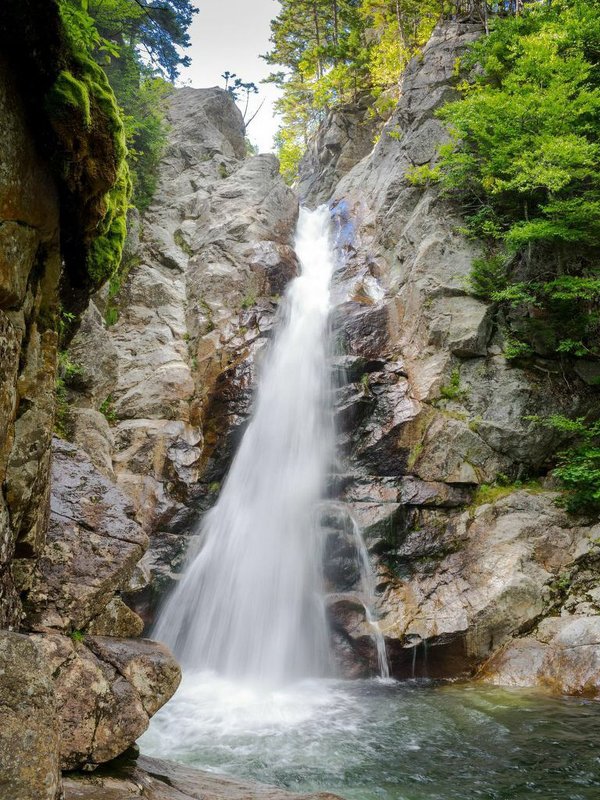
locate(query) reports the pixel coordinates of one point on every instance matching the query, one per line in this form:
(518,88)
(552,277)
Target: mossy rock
(68,93)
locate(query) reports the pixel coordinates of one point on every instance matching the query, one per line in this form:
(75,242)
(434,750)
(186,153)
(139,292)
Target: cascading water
(250,602)
(247,619)
(367,579)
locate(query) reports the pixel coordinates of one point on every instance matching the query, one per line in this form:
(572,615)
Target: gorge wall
(499,580)
(155,390)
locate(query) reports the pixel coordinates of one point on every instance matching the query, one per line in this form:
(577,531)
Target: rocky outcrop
(154,779)
(91,549)
(29,735)
(161,395)
(430,411)
(106,689)
(344,138)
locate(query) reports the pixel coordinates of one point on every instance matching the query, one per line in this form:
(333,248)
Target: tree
(524,162)
(138,44)
(333,50)
(154,29)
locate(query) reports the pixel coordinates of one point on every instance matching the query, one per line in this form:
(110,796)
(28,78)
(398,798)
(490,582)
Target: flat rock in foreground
(155,779)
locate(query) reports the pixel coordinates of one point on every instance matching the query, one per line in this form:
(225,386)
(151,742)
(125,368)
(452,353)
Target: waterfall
(367,580)
(250,603)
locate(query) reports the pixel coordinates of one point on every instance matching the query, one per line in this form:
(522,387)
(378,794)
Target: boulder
(29,731)
(563,656)
(490,578)
(100,710)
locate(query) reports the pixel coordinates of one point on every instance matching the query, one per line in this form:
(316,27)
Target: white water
(250,604)
(367,579)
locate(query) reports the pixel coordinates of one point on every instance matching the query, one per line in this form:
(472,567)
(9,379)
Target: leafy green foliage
(107,409)
(488,276)
(452,390)
(524,162)
(138,45)
(332,51)
(578,465)
(515,348)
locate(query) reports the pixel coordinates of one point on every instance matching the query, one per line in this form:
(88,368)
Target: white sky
(230,35)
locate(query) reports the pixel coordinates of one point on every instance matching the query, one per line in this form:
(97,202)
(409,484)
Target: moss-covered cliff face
(67,700)
(76,126)
(63,197)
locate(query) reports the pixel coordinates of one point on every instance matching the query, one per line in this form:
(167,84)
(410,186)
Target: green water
(368,740)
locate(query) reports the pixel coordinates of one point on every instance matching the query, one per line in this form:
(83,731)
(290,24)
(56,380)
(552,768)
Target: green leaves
(333,52)
(579,465)
(524,161)
(525,131)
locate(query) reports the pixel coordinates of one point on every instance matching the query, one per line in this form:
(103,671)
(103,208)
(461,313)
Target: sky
(230,35)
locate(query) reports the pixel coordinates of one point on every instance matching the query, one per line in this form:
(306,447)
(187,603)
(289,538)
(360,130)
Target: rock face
(29,736)
(91,548)
(346,136)
(154,779)
(162,394)
(29,272)
(431,410)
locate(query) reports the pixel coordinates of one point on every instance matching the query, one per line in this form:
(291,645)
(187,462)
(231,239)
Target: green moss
(111,315)
(67,93)
(105,251)
(61,413)
(90,127)
(414,456)
(108,410)
(249,300)
(68,370)
(490,493)
(180,241)
(452,390)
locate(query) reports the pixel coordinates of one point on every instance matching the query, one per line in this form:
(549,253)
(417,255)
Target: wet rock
(91,549)
(29,741)
(100,710)
(341,565)
(565,658)
(154,779)
(354,649)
